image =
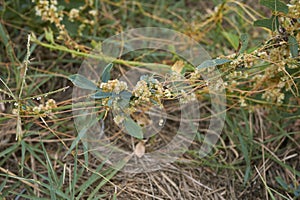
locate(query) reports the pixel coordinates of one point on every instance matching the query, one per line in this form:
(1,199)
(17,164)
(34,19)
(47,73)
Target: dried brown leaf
(139,149)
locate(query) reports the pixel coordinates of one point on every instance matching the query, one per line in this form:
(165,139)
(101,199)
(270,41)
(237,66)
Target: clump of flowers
(294,8)
(268,72)
(114,86)
(246,80)
(274,95)
(187,97)
(142,92)
(119,119)
(146,89)
(73,14)
(37,110)
(51,11)
(147,92)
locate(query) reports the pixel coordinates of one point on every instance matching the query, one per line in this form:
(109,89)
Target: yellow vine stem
(98,56)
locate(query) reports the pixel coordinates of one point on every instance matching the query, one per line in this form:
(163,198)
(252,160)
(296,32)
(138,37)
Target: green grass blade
(93,178)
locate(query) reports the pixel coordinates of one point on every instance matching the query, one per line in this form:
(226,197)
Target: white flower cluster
(142,92)
(237,74)
(274,95)
(73,14)
(40,109)
(195,76)
(114,86)
(242,102)
(48,11)
(119,119)
(187,98)
(150,89)
(294,8)
(50,104)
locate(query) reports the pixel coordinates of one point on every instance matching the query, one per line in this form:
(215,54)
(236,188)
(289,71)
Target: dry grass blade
(12,175)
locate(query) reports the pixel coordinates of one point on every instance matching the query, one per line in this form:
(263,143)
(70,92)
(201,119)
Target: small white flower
(242,102)
(93,12)
(74,13)
(118,119)
(161,122)
(15,111)
(37,109)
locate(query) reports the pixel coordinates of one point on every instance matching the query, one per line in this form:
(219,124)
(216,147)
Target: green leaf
(110,102)
(293,45)
(115,196)
(23,152)
(51,172)
(232,39)
(106,73)
(49,35)
(133,128)
(245,150)
(122,103)
(8,150)
(213,63)
(82,82)
(244,42)
(281,182)
(101,95)
(106,178)
(88,183)
(81,135)
(2,185)
(269,23)
(275,5)
(125,95)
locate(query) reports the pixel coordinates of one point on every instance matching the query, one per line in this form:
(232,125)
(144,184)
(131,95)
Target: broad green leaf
(82,82)
(125,94)
(275,5)
(101,95)
(110,102)
(232,39)
(293,45)
(213,63)
(244,42)
(133,128)
(106,73)
(269,23)
(122,103)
